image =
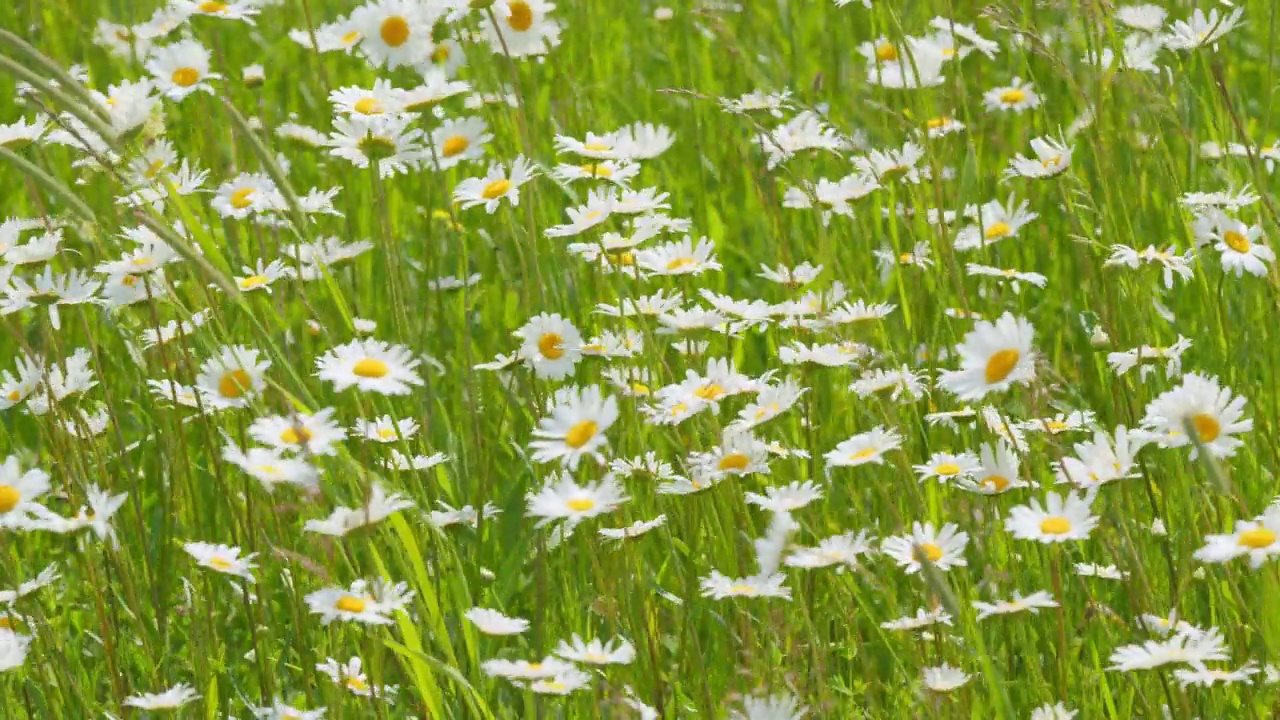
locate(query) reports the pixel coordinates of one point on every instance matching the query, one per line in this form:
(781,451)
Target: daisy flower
(1014,97)
(497,184)
(222,558)
(525,30)
(377,507)
(19,491)
(681,257)
(551,345)
(575,428)
(944,678)
(460,140)
(1201,30)
(1241,252)
(843,550)
(370,366)
(232,378)
(565,499)
(316,434)
(997,473)
(181,68)
(785,499)
(171,699)
(618,651)
(1255,539)
(944,548)
(1060,519)
(371,605)
(387,141)
(993,357)
(492,622)
(1032,603)
(1216,415)
(350,675)
(385,429)
(394,32)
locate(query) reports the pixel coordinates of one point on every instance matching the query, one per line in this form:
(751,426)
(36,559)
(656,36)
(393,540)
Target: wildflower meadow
(764,360)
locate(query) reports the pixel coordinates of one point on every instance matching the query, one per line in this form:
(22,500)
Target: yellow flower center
(368,106)
(254,281)
(209,6)
(639,388)
(680,262)
(597,170)
(931,551)
(521,16)
(947,469)
(14,396)
(995,482)
(350,38)
(496,189)
(581,433)
(154,169)
(1207,427)
(394,31)
(185,77)
(581,505)
(348,603)
(1012,97)
(742,589)
(734,461)
(242,198)
(440,54)
(1236,241)
(356,683)
(863,454)
(9,498)
(597,147)
(551,346)
(998,230)
(935,123)
(370,368)
(234,384)
(710,391)
(1257,538)
(906,258)
(455,145)
(886,52)
(1051,162)
(1001,364)
(1055,526)
(295,436)
(217,562)
(386,433)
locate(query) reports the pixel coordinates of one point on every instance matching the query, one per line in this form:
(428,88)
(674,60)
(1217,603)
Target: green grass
(141,616)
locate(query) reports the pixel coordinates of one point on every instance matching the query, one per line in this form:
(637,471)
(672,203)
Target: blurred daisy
(1014,97)
(944,548)
(222,558)
(565,499)
(492,622)
(171,699)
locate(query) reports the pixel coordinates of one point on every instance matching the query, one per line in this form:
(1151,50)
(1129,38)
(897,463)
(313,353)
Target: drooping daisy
(370,366)
(232,378)
(498,183)
(634,530)
(575,428)
(1060,519)
(1057,711)
(993,357)
(271,467)
(1053,157)
(773,707)
(1216,415)
(944,547)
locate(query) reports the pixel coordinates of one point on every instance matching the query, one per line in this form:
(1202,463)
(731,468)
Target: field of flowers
(601,359)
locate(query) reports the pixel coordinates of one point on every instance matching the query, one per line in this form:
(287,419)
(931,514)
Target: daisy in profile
(1053,157)
(394,32)
(370,366)
(575,428)
(774,707)
(1032,603)
(618,651)
(1061,518)
(222,558)
(564,499)
(492,622)
(1240,250)
(1255,539)
(864,448)
(263,275)
(232,378)
(1014,97)
(386,429)
(947,467)
(785,499)
(381,99)
(271,467)
(841,550)
(997,473)
(681,257)
(230,10)
(1194,649)
(944,678)
(181,68)
(361,602)
(387,141)
(551,345)
(993,358)
(1057,711)
(739,453)
(1216,415)
(944,548)
(498,183)
(1201,30)
(171,699)
(317,434)
(377,507)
